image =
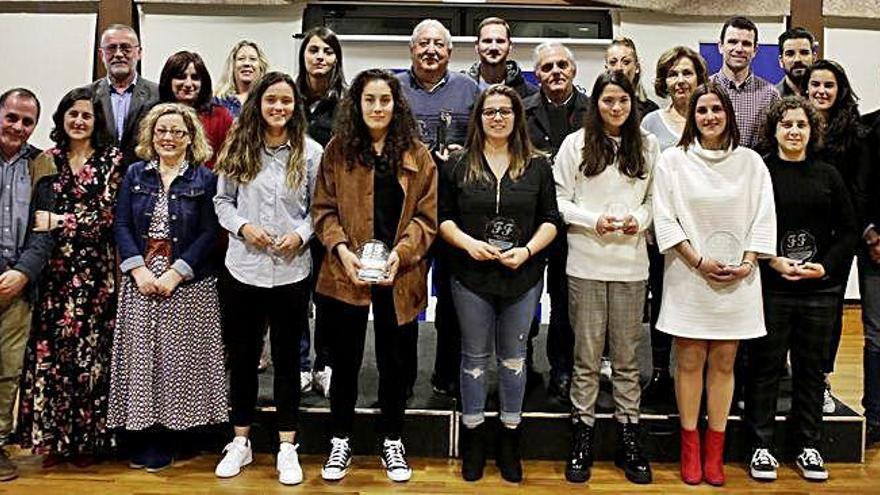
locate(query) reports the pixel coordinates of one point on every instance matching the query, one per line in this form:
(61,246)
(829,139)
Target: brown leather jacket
(342,210)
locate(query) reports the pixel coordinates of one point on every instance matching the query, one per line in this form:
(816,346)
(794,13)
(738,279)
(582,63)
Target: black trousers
(801,323)
(447,358)
(249,309)
(661,342)
(560,336)
(396,347)
(323,318)
(837,330)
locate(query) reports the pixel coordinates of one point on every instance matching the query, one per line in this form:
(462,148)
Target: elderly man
(126,97)
(797,52)
(493,47)
(441,101)
(23,253)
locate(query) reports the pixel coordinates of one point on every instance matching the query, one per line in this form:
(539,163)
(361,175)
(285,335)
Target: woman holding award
(375,210)
(713,216)
(603,185)
(498,209)
(267,172)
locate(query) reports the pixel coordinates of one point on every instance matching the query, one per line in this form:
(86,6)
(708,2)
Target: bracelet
(529,250)
(748,262)
(700,262)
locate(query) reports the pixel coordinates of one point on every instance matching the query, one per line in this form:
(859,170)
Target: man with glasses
(126,97)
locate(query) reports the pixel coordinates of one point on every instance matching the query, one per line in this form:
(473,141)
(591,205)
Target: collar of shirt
(564,103)
(414,81)
(129,89)
(273,153)
(154,165)
(25,149)
(729,83)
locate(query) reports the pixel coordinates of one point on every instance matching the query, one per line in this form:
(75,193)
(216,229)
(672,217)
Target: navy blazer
(193,223)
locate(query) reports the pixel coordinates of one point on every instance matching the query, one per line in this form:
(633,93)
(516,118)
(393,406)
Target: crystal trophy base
(373,256)
(503,233)
(725,247)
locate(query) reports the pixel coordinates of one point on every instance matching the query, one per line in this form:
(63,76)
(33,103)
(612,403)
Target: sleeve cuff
(305,232)
(130,264)
(183,268)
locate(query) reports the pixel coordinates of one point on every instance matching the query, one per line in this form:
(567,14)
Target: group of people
(174,233)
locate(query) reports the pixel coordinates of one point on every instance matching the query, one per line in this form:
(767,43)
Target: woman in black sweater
(816,231)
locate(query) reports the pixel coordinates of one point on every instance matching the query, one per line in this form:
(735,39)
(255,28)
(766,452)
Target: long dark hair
(769,143)
(175,67)
(100,138)
(337,77)
(600,150)
(842,126)
(691,133)
(352,131)
(240,157)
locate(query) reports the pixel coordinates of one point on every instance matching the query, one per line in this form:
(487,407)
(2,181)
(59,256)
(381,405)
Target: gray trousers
(600,310)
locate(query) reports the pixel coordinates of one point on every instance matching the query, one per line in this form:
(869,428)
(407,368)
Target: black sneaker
(336,466)
(811,465)
(393,459)
(577,467)
(763,465)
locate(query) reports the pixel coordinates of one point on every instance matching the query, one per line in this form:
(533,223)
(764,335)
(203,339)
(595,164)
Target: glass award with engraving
(503,233)
(275,233)
(799,245)
(373,256)
(617,212)
(725,247)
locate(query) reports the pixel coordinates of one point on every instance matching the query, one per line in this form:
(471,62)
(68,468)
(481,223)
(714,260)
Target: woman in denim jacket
(167,366)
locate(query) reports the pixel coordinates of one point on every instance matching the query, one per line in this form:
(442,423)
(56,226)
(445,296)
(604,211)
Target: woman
(831,94)
(267,173)
(186,80)
(376,155)
(817,235)
(713,216)
(679,71)
(167,370)
(61,415)
(245,65)
(497,280)
(603,183)
(322,84)
(621,55)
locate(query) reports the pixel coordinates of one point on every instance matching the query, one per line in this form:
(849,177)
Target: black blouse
(530,201)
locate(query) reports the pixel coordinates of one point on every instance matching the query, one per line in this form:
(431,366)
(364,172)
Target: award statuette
(798,245)
(275,233)
(617,211)
(503,233)
(725,247)
(373,256)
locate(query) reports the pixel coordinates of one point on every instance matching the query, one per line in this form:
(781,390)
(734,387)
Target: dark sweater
(812,208)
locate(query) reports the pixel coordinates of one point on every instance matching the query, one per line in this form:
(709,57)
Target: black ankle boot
(659,389)
(508,456)
(577,467)
(473,452)
(629,455)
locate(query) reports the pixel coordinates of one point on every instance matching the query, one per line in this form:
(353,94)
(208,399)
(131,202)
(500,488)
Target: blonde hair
(226,86)
(198,152)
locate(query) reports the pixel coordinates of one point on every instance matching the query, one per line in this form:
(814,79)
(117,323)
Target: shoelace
(763,457)
(234,446)
(394,453)
(582,441)
(338,453)
(812,457)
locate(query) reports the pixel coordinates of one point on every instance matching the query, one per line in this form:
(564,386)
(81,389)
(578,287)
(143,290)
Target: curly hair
(352,131)
(669,58)
(337,76)
(100,138)
(776,111)
(519,145)
(691,133)
(174,68)
(227,85)
(842,126)
(240,158)
(199,151)
(600,151)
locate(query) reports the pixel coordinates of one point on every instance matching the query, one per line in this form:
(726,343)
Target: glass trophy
(503,233)
(798,245)
(725,247)
(275,233)
(373,256)
(617,212)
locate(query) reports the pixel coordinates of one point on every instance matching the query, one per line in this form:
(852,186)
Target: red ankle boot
(691,469)
(713,457)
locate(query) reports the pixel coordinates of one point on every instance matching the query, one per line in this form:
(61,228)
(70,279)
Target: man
(750,94)
(23,253)
(493,46)
(441,103)
(126,97)
(553,113)
(797,52)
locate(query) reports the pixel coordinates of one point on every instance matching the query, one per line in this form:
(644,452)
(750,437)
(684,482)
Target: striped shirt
(750,100)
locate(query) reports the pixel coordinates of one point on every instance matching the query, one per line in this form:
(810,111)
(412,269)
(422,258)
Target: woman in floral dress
(65,382)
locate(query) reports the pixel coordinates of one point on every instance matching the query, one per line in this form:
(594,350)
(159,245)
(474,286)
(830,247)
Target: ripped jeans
(487,325)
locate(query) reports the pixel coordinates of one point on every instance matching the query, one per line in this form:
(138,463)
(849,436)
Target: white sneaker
(305,381)
(828,405)
(605,368)
(338,461)
(321,381)
(394,460)
(287,464)
(238,454)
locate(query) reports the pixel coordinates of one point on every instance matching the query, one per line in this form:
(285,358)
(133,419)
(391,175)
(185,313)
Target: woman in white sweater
(713,216)
(603,182)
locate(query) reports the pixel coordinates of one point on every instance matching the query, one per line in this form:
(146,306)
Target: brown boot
(8,470)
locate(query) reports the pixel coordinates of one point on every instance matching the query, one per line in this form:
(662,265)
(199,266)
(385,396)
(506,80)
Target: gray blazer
(146,95)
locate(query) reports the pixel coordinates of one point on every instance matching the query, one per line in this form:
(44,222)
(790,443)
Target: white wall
(855,45)
(49,54)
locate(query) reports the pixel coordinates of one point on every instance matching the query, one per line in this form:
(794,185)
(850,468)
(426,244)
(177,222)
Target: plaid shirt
(750,100)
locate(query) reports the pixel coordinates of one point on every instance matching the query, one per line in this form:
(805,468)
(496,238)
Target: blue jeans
(489,324)
(869,287)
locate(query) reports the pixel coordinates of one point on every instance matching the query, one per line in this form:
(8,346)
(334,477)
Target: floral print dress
(65,382)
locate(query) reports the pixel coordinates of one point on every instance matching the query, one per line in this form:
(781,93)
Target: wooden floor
(196,476)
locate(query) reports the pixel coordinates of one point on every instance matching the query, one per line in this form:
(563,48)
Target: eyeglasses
(175,133)
(504,112)
(125,48)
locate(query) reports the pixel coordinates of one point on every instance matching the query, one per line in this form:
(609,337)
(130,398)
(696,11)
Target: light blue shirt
(121,102)
(15,197)
(269,202)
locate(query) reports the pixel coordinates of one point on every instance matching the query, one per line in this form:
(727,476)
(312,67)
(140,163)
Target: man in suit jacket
(125,96)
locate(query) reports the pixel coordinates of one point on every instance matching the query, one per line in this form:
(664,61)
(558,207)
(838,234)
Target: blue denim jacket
(193,223)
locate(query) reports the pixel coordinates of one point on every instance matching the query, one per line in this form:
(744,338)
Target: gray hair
(120,27)
(548,45)
(430,23)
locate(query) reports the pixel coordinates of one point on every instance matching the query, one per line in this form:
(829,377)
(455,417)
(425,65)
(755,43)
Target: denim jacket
(193,223)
